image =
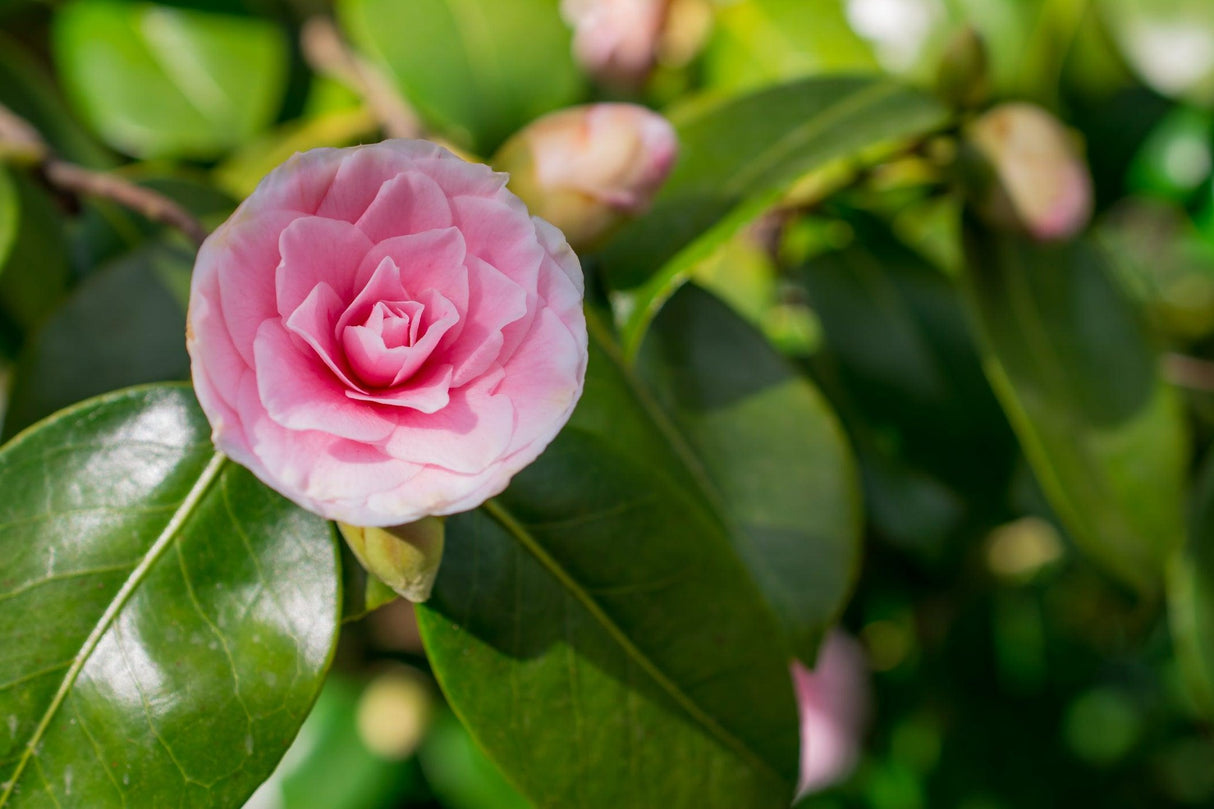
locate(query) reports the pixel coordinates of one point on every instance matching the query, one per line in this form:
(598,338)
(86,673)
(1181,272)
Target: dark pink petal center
(396,338)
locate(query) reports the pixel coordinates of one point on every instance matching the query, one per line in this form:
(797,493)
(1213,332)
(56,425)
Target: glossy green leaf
(766,451)
(159,81)
(738,157)
(185,614)
(132,303)
(765,41)
(475,70)
(901,365)
(1077,375)
(624,636)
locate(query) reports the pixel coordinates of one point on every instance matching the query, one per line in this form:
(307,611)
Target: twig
(20,142)
(327,52)
(1189,372)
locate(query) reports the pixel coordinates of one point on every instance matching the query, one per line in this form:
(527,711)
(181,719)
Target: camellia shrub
(606,403)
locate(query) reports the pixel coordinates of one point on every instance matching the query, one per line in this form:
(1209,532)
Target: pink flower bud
(1041,185)
(588,169)
(616,41)
(834,702)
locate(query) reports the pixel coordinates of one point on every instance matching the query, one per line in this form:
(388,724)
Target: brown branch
(1189,372)
(328,54)
(20,142)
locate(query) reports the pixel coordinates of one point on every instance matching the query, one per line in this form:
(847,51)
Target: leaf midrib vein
(163,542)
(516,529)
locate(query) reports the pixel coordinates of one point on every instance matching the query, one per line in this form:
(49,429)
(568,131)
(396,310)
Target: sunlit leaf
(162,81)
(167,619)
(476,71)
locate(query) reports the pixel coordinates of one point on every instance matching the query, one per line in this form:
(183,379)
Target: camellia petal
(411,198)
(384,332)
(313,251)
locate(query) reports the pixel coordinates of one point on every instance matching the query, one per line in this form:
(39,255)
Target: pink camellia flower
(833,699)
(588,169)
(1042,186)
(383,333)
(616,41)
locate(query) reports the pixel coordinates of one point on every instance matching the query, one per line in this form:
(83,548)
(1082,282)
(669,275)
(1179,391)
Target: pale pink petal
(362,172)
(833,699)
(240,254)
(499,231)
(544,380)
(381,366)
(328,475)
(466,436)
(314,251)
(429,393)
(497,302)
(313,322)
(459,178)
(439,491)
(383,285)
(408,203)
(300,393)
(560,264)
(430,260)
(299,184)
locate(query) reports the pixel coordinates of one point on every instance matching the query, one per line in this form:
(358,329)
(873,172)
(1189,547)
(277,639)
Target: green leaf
(1074,368)
(765,41)
(459,773)
(767,453)
(10,215)
(27,89)
(1191,596)
(737,158)
(158,81)
(105,230)
(622,634)
(475,70)
(901,366)
(34,276)
(329,766)
(122,326)
(167,621)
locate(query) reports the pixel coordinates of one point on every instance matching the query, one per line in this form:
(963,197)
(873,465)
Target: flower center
(395,339)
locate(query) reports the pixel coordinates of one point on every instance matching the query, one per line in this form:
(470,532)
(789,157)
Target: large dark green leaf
(167,620)
(632,659)
(475,70)
(766,453)
(736,159)
(133,304)
(1074,368)
(899,362)
(160,81)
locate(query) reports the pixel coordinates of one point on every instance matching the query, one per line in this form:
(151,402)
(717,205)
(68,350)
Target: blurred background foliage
(1009,669)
